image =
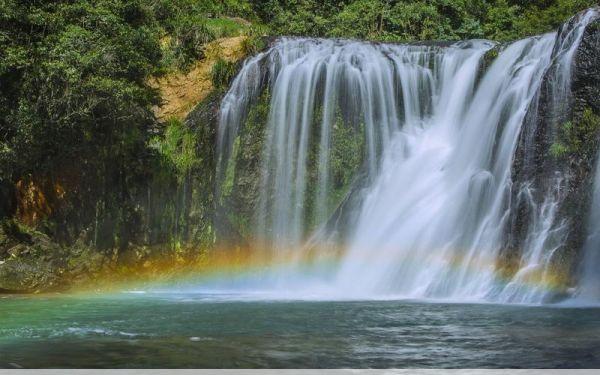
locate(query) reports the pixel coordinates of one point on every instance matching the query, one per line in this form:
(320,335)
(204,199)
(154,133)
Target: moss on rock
(578,138)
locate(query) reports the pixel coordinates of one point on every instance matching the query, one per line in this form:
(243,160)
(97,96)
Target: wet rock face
(541,162)
(580,165)
(586,76)
(203,121)
(212,221)
(27,276)
(29,261)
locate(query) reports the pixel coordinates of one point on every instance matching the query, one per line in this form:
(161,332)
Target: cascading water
(438,139)
(432,224)
(590,278)
(362,80)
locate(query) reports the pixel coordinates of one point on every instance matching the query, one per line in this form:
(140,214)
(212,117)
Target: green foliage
(76,111)
(167,11)
(255,40)
(547,16)
(178,146)
(403,20)
(501,21)
(80,111)
(578,137)
(491,55)
(226,27)
(558,150)
(360,19)
(76,81)
(222,73)
(190,35)
(296,17)
(420,21)
(188,25)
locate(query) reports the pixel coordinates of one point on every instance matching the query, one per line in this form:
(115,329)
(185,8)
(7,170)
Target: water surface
(233,331)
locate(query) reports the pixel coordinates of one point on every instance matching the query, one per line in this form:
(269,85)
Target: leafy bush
(191,34)
(252,45)
(420,21)
(225,27)
(540,18)
(501,21)
(178,146)
(404,20)
(222,73)
(360,19)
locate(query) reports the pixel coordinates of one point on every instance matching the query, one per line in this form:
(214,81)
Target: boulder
(29,260)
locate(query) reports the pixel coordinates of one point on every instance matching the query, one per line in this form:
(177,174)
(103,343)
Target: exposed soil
(182,91)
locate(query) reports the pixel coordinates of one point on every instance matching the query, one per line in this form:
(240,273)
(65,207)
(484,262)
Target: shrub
(222,73)
(191,34)
(253,44)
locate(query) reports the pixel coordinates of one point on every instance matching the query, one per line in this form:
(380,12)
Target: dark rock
(203,121)
(27,275)
(581,166)
(586,75)
(7,199)
(213,221)
(568,176)
(29,260)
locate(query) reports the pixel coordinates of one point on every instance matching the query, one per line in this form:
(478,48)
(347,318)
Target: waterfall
(432,224)
(373,87)
(590,278)
(433,128)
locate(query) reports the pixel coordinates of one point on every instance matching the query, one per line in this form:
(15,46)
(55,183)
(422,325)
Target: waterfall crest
(435,133)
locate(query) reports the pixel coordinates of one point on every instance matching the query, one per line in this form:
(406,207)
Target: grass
(226,27)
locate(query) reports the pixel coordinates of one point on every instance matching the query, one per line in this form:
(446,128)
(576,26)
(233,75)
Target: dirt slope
(180,92)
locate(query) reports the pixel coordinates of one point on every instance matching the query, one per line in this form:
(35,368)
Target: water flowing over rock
(586,93)
(439,180)
(590,278)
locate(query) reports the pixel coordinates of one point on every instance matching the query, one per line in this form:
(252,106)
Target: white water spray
(439,138)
